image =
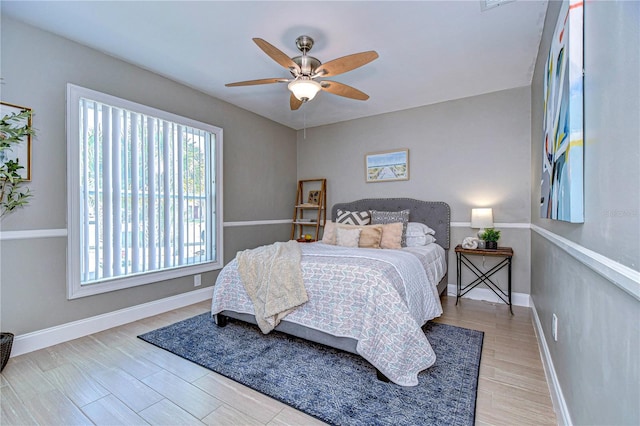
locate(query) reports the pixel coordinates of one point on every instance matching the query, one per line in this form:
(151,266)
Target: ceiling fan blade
(346,63)
(277,55)
(294,102)
(343,90)
(255,82)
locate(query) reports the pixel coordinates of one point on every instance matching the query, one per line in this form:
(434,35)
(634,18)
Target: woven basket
(6,341)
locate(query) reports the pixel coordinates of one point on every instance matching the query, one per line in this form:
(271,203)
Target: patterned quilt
(380,298)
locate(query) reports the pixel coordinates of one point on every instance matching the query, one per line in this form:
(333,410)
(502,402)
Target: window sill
(77,291)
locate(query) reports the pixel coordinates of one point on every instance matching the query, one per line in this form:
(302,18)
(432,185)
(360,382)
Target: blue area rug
(334,386)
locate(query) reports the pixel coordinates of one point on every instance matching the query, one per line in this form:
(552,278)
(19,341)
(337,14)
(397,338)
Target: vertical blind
(146,193)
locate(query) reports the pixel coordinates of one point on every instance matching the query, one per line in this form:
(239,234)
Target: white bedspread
(381,298)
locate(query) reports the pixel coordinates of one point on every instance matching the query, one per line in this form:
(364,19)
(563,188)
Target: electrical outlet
(554,327)
(197,280)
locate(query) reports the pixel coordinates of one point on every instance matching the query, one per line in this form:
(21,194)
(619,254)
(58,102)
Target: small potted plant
(490,237)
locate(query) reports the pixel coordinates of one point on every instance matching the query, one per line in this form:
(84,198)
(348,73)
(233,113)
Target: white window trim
(74,289)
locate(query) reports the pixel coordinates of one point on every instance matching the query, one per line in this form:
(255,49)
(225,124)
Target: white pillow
(348,237)
(420,240)
(415,229)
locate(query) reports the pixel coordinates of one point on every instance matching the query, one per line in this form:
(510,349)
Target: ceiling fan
(306,69)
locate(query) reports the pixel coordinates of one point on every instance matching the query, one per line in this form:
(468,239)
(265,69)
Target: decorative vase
(6,341)
(491,245)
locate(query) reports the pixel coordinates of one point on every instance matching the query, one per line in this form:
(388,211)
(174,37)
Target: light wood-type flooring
(112,377)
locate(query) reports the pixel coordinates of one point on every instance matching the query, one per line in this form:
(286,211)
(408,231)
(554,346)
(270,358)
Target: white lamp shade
(304,90)
(482,218)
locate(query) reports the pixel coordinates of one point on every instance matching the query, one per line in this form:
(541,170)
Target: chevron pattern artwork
(354,218)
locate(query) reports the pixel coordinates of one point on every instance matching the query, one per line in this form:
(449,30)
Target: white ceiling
(430,51)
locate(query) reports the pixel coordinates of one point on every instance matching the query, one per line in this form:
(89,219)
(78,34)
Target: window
(145,194)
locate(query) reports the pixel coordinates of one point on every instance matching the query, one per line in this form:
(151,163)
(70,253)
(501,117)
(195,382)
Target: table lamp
(481,218)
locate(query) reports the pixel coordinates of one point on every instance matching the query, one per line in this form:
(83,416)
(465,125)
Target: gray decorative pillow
(378,217)
(353,218)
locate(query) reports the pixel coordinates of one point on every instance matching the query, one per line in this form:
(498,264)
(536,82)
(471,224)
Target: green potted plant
(15,127)
(490,237)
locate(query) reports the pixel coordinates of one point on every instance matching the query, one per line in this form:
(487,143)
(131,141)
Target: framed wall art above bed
(387,166)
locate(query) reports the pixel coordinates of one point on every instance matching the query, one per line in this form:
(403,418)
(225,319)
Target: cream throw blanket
(272,277)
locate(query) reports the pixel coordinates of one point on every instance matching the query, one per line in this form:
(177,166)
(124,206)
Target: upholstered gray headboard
(435,214)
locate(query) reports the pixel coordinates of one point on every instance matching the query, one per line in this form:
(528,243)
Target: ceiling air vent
(490,4)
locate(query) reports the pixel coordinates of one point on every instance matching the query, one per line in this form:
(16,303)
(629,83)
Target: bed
(366,301)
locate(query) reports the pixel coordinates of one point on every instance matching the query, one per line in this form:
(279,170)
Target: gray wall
(472,152)
(596,355)
(478,151)
(259,173)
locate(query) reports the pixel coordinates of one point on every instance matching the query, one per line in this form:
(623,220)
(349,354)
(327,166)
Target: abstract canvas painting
(562,186)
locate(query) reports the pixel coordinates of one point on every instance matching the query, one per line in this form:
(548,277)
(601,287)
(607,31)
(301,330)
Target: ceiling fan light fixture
(305,68)
(304,90)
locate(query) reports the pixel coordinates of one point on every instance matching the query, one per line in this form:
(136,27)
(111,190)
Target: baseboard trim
(557,397)
(518,299)
(62,333)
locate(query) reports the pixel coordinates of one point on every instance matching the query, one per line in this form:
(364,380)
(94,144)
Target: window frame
(74,287)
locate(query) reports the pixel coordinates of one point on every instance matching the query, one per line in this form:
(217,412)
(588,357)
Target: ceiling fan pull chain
(304,125)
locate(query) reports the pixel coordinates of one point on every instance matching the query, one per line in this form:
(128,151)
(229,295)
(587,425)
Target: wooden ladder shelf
(310,211)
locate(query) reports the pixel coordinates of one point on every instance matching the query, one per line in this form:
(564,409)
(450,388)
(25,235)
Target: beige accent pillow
(370,235)
(348,237)
(392,236)
(329,233)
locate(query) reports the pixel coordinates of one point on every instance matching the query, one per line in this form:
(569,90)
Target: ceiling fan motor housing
(307,64)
